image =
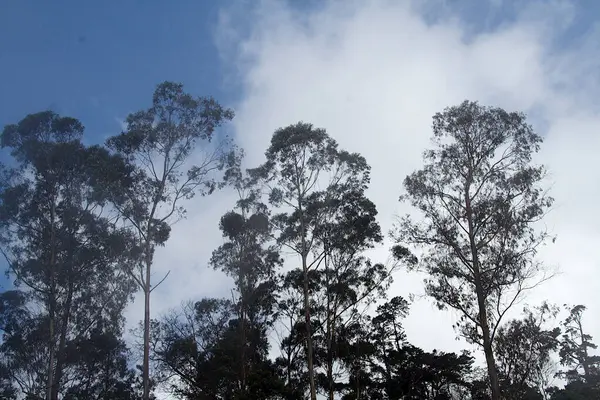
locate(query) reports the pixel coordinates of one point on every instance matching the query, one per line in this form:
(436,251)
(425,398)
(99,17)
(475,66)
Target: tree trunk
(489,353)
(358,369)
(483,317)
(584,362)
(52,303)
(146,362)
(309,344)
(147,287)
(289,356)
(243,344)
(330,362)
(330,367)
(51,356)
(60,356)
(330,328)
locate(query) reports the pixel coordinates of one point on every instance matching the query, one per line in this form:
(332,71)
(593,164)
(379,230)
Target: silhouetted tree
(523,349)
(583,368)
(479,196)
(200,346)
(292,360)
(62,248)
(304,171)
(392,368)
(163,143)
(575,348)
(347,282)
(251,258)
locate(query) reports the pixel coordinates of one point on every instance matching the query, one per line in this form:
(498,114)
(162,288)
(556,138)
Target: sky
(372,72)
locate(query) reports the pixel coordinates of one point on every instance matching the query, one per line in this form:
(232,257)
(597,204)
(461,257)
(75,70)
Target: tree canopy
(312,311)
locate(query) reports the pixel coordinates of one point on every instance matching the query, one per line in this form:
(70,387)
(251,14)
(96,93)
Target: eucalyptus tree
(178,153)
(479,196)
(184,342)
(347,282)
(290,331)
(62,248)
(304,171)
(252,259)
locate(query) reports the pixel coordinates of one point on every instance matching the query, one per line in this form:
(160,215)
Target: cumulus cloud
(373,73)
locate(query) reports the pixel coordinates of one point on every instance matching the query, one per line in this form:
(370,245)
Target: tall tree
(16,363)
(102,368)
(341,295)
(479,195)
(62,248)
(583,368)
(347,282)
(304,169)
(163,141)
(251,258)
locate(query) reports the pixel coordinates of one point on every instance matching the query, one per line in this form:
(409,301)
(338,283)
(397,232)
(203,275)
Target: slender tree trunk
(51,355)
(289,356)
(146,362)
(309,342)
(388,373)
(61,353)
(52,303)
(243,344)
(358,370)
(147,287)
(489,353)
(242,315)
(584,362)
(330,364)
(329,336)
(483,317)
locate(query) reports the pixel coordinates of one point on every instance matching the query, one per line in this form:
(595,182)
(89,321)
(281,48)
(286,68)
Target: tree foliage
(479,195)
(64,252)
(524,350)
(171,146)
(310,312)
(308,176)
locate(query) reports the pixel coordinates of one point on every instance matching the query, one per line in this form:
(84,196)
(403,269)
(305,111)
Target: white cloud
(373,73)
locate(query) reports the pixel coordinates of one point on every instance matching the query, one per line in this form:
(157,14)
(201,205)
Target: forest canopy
(311,314)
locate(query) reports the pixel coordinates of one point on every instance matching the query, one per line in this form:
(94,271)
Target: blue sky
(97,61)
